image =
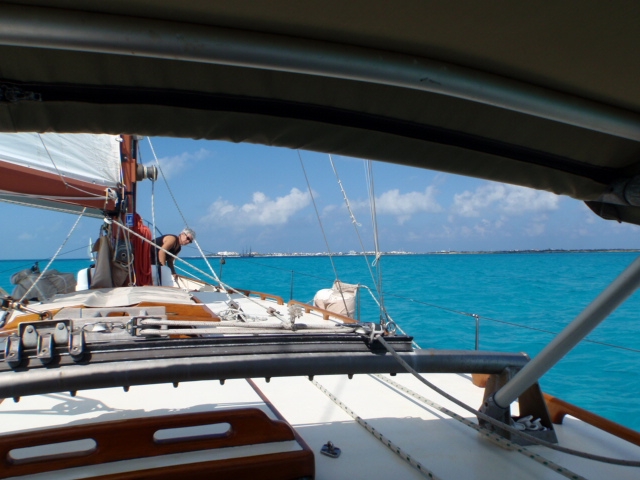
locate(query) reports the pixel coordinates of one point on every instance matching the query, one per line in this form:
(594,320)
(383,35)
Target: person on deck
(173,244)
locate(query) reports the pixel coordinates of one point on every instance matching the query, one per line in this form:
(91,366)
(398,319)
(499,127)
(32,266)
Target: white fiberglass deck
(444,446)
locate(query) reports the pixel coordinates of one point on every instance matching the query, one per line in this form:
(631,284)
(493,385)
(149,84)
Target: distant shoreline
(370,254)
(400,253)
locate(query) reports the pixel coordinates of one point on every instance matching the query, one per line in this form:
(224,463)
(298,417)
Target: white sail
(59,171)
(92,158)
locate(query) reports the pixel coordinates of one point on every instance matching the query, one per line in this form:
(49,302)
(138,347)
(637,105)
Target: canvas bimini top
(544,95)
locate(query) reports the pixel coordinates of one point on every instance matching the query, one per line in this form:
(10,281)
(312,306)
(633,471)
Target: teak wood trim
(184,311)
(133,438)
(326,314)
(559,408)
(12,325)
(262,295)
(277,466)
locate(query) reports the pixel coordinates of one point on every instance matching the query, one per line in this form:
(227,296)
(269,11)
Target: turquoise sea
(521,299)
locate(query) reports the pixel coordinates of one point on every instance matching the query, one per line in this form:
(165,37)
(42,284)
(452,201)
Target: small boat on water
(139,375)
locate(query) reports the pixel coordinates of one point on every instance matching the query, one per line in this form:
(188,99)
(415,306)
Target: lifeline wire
(499,424)
(227,287)
(54,256)
(504,322)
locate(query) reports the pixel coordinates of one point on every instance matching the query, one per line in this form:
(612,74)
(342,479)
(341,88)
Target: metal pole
(477,317)
(291,289)
(222,262)
(69,378)
(616,293)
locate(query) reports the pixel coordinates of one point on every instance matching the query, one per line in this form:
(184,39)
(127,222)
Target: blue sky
(241,196)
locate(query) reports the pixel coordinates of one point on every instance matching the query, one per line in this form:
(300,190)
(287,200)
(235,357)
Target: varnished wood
(559,408)
(277,466)
(133,438)
(326,314)
(185,311)
(32,181)
(11,326)
(262,295)
(480,379)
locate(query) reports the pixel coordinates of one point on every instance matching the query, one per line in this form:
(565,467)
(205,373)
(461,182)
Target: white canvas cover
(340,299)
(87,157)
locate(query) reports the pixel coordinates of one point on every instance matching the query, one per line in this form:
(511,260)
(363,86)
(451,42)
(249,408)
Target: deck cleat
(330,450)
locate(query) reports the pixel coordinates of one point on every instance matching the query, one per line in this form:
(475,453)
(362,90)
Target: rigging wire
(13,269)
(175,202)
(53,258)
(497,423)
(326,242)
(227,287)
(374,223)
(353,219)
(504,322)
(62,179)
(446,309)
(204,257)
(315,207)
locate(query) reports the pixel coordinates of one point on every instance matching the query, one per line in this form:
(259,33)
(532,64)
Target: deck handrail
(262,295)
(136,438)
(325,313)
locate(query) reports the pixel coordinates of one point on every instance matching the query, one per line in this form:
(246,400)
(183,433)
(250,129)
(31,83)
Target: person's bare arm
(163,258)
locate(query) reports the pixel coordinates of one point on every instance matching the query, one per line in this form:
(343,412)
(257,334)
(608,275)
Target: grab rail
(138,438)
(262,295)
(325,313)
(559,408)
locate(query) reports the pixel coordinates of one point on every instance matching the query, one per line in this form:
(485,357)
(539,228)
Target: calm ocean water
(521,299)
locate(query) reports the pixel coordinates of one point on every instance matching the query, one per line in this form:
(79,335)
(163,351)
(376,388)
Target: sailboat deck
(382,424)
(447,447)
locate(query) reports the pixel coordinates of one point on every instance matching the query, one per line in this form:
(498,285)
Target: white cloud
(395,203)
(507,199)
(171,166)
(403,205)
(260,211)
(26,236)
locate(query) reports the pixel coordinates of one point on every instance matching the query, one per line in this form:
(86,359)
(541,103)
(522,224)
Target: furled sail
(64,172)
